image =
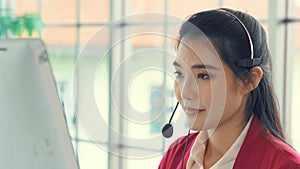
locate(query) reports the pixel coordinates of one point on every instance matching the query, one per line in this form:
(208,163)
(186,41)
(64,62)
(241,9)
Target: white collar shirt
(195,160)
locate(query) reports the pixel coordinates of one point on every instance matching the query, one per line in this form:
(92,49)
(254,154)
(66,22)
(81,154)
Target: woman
(224,84)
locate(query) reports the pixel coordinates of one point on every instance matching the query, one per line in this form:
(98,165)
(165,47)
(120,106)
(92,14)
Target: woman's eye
(203,76)
(177,74)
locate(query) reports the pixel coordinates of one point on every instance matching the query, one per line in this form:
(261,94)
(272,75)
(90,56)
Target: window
(294,80)
(131,90)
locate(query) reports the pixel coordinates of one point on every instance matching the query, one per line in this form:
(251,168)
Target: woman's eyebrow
(204,67)
(200,66)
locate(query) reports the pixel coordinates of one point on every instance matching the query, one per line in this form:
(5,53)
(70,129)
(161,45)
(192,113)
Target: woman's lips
(192,111)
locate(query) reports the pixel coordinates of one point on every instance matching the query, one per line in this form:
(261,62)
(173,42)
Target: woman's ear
(254,78)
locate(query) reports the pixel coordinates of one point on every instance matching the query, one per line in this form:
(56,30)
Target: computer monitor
(33,128)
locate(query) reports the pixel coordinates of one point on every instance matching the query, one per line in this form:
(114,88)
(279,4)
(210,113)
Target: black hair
(232,44)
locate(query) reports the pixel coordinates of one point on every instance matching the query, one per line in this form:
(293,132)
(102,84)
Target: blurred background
(74,29)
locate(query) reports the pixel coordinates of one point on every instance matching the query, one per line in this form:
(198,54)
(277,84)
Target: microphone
(167,130)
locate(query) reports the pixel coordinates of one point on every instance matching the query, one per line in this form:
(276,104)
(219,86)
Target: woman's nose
(189,89)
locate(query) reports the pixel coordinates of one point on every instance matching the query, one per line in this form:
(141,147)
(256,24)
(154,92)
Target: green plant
(17,25)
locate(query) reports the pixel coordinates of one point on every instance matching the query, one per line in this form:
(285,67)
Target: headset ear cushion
(249,62)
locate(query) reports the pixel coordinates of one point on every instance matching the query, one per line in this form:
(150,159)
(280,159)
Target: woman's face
(206,88)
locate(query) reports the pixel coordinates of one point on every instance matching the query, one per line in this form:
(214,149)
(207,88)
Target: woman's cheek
(177,91)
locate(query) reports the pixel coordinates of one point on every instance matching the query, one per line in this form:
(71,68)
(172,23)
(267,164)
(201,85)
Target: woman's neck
(222,139)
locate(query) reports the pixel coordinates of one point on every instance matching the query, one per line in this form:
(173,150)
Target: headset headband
(245,62)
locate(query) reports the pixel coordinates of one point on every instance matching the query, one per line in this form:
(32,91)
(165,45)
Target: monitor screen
(33,128)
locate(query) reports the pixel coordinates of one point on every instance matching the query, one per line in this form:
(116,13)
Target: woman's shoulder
(282,153)
(279,150)
(261,148)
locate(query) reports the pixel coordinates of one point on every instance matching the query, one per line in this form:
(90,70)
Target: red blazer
(260,150)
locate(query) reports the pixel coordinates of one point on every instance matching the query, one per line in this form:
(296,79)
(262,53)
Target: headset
(167,130)
(245,62)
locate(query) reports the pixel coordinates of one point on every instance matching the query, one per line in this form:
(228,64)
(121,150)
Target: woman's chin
(198,126)
(195,127)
